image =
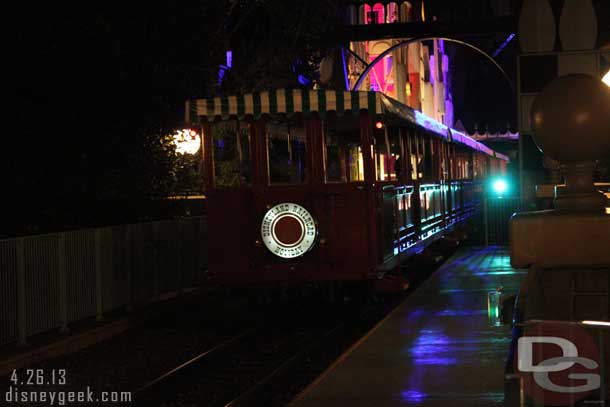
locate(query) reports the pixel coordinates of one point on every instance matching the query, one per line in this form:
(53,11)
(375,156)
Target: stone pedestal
(567,249)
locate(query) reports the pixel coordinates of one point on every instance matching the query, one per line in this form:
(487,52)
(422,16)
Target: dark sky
(94,85)
(481,94)
(93,81)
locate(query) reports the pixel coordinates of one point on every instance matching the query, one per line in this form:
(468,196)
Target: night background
(349,249)
(99,86)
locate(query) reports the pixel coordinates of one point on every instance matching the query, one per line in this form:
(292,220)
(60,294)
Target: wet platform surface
(436,349)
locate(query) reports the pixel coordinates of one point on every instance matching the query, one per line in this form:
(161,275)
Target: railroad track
(153,386)
(269,364)
(256,391)
(233,372)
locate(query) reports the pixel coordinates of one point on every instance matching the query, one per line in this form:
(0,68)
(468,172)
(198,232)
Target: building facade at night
(416,74)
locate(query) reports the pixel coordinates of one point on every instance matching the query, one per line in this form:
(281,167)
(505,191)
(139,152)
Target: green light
(493,307)
(500,186)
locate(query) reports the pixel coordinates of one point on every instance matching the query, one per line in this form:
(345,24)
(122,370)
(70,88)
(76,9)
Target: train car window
(428,157)
(355,162)
(287,152)
(421,154)
(451,162)
(464,166)
(445,161)
(411,150)
(343,160)
(387,153)
(476,166)
(231,140)
(334,156)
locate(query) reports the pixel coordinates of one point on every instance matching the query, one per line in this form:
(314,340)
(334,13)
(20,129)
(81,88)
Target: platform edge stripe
(344,355)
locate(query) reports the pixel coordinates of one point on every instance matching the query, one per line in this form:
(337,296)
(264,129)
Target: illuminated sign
(288,230)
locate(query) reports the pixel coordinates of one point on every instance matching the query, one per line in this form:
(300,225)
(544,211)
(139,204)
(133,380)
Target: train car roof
(290,101)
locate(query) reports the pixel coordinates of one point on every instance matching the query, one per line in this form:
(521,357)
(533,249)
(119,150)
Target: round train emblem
(288,230)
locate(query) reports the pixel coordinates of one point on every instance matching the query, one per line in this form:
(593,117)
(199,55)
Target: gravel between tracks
(156,343)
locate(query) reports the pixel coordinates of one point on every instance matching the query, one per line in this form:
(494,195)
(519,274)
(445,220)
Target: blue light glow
(345,75)
(304,80)
(431,348)
(503,45)
(413,396)
(500,186)
(221,74)
(229,59)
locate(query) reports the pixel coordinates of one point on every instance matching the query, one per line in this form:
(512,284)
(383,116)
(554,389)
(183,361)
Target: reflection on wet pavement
(437,348)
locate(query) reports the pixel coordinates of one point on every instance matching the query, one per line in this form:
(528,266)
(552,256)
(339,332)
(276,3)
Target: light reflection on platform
(435,350)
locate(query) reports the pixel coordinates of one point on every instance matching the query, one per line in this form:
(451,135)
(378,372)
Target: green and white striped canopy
(290,101)
(286,101)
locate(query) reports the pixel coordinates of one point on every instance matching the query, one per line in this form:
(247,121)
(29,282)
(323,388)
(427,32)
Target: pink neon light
(379,12)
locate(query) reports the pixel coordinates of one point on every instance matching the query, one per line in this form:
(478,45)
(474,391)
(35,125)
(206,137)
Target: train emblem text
(288,230)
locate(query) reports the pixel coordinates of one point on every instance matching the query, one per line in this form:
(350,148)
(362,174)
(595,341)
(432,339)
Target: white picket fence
(49,281)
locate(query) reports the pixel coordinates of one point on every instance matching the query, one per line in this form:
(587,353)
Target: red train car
(321,185)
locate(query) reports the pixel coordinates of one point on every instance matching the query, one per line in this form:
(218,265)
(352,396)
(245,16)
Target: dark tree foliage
(273,41)
(100,85)
(97,88)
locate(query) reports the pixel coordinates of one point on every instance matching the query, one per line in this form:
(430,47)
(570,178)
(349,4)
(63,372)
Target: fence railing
(49,281)
(496,218)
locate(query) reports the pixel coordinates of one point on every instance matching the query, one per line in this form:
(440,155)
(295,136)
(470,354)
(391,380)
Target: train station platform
(437,348)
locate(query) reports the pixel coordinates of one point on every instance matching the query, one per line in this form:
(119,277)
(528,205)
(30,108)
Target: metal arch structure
(370,66)
(358,57)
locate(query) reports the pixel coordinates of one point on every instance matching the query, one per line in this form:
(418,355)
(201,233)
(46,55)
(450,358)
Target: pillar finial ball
(571,119)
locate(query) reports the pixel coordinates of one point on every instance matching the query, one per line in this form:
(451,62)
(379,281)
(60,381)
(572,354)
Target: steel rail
(192,361)
(284,366)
